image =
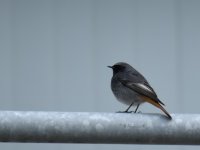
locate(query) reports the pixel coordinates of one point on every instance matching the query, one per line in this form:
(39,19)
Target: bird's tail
(155,103)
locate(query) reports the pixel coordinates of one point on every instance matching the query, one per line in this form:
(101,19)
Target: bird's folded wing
(142,89)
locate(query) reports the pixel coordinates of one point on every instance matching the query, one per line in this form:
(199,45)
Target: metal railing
(102,128)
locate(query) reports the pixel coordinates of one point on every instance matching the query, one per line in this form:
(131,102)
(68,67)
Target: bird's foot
(124,112)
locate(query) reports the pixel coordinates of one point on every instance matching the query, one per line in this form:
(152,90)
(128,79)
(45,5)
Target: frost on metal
(119,128)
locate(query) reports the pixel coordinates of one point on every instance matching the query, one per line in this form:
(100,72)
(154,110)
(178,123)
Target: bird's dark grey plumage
(130,87)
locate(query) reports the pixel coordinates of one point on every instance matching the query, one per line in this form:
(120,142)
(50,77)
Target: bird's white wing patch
(144,87)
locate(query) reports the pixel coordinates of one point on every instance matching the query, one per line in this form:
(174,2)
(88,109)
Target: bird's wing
(143,89)
(147,94)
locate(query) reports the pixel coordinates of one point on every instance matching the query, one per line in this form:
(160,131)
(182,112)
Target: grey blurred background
(54,53)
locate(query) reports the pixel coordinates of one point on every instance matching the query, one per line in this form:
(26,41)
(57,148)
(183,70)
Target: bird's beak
(109,66)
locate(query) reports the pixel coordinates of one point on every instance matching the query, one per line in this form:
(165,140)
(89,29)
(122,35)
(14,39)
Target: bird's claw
(124,111)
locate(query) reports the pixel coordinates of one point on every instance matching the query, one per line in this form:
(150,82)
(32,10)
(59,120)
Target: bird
(131,88)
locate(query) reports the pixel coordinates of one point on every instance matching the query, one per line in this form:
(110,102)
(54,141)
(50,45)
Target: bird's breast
(124,94)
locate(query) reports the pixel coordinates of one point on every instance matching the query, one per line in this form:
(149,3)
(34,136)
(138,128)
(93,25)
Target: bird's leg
(126,111)
(136,108)
(128,107)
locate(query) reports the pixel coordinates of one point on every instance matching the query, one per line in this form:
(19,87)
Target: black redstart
(131,88)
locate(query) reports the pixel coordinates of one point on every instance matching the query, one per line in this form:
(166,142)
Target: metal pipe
(118,128)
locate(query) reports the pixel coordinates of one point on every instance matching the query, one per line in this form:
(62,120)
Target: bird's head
(120,67)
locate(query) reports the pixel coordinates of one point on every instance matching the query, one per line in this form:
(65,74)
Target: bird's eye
(118,68)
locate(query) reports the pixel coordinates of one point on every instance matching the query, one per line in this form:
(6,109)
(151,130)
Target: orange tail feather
(149,100)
